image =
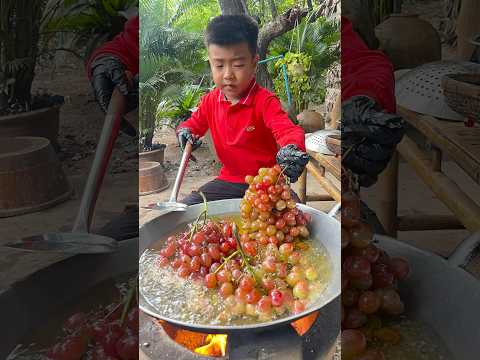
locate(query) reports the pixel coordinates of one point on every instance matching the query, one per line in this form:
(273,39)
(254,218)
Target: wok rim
(146,307)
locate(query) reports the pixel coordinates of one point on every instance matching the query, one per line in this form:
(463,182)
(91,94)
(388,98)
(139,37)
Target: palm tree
(169,58)
(20,22)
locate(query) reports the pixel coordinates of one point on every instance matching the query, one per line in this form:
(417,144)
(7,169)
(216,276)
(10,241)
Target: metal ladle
(172,204)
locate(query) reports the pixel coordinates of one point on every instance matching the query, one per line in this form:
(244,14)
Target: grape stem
(244,257)
(128,300)
(205,207)
(225,260)
(204,213)
(281,174)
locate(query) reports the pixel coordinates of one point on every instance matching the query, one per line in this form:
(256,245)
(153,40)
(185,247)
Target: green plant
(86,24)
(170,58)
(298,70)
(20,22)
(320,41)
(179,108)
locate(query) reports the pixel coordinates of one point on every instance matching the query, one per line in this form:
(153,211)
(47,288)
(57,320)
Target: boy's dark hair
(231,30)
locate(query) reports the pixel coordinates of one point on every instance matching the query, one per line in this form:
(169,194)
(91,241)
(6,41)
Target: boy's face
(233,67)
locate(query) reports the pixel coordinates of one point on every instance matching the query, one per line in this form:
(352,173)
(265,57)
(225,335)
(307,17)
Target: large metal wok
(33,302)
(441,295)
(325,231)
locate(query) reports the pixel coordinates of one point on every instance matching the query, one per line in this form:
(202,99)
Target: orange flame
(216,345)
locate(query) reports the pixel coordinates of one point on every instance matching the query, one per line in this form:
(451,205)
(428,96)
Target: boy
(245,120)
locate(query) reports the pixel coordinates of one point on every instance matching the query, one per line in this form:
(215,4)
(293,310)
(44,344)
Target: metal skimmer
(420,89)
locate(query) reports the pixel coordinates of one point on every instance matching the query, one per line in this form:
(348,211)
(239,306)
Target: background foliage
(174,69)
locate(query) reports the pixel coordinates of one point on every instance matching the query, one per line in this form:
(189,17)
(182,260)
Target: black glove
(369,137)
(184,135)
(107,73)
(292,160)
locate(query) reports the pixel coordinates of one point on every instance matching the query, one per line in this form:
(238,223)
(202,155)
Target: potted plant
(312,49)
(22,113)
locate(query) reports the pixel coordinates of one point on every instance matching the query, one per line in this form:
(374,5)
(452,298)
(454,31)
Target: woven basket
(462,94)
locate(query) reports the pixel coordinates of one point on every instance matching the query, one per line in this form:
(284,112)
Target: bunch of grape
(196,253)
(260,272)
(269,213)
(369,279)
(100,334)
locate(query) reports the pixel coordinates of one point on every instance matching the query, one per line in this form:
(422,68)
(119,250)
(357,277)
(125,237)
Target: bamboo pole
(462,206)
(302,182)
(388,189)
(419,222)
(428,127)
(330,188)
(319,197)
(436,159)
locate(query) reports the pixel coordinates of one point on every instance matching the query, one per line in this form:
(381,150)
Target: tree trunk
(273,8)
(468,25)
(360,13)
(332,85)
(278,26)
(233,7)
(448,24)
(24,30)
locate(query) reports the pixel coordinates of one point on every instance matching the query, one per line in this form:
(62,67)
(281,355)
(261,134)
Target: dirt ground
(81,119)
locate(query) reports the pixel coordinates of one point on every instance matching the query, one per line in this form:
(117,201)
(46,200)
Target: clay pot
(31,176)
(311,121)
(156,155)
(151,178)
(408,41)
(38,123)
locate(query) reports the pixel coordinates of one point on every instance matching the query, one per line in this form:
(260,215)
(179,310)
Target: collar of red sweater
(246,99)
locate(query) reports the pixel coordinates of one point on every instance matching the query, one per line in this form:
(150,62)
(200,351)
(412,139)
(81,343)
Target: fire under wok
(324,230)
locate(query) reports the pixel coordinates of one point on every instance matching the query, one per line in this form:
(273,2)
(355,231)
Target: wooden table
(459,143)
(319,166)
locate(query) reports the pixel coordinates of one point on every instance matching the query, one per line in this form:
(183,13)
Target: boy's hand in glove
(369,137)
(185,135)
(292,160)
(107,73)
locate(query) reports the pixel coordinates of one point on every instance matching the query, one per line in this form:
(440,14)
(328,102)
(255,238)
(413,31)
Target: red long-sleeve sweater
(124,46)
(364,71)
(246,135)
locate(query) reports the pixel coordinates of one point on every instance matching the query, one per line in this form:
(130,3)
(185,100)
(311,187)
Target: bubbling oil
(191,301)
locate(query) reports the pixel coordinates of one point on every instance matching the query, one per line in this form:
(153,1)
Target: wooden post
(436,159)
(388,189)
(324,182)
(302,182)
(320,197)
(421,222)
(468,25)
(461,205)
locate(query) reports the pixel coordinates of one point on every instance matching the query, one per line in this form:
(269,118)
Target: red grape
(356,266)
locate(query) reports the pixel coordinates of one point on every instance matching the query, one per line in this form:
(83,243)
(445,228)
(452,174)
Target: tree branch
(279,26)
